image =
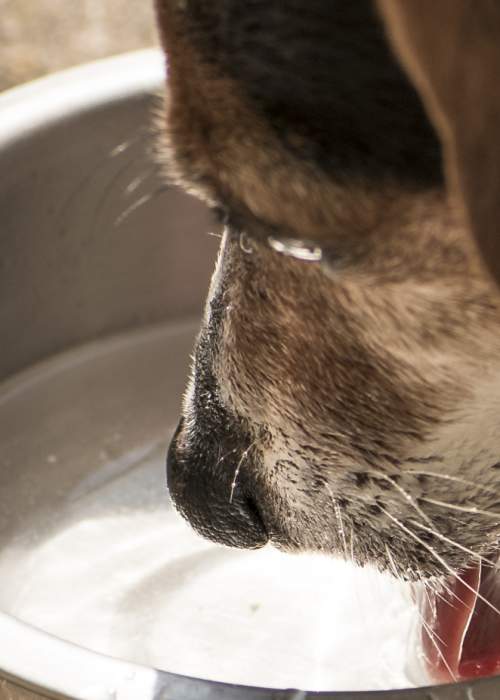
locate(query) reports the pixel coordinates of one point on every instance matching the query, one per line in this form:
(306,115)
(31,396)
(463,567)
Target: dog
(345,388)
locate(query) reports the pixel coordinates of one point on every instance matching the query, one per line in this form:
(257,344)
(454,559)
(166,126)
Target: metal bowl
(93,247)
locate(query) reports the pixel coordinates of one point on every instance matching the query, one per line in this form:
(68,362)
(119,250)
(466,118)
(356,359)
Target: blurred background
(41,36)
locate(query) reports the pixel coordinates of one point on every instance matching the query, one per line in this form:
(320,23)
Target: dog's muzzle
(201,480)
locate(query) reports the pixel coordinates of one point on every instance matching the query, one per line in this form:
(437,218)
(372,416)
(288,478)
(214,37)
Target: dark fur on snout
(354,394)
(218,506)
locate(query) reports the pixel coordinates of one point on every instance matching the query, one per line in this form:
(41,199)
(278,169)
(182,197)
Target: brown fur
(451,48)
(218,148)
(341,381)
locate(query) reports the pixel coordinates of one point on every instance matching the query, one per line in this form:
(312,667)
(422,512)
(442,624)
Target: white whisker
(238,467)
(221,457)
(138,181)
(405,495)
(462,509)
(392,564)
(449,477)
(340,523)
(440,559)
(433,636)
(435,584)
(431,605)
(121,148)
(442,537)
(138,203)
(125,145)
(451,593)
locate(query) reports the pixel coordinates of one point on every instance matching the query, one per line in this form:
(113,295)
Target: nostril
(238,523)
(253,513)
(245,507)
(200,492)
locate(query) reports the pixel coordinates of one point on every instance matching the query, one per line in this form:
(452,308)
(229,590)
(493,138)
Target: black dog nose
(200,482)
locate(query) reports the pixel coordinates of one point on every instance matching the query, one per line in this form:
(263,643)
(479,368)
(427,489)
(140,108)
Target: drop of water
(294,248)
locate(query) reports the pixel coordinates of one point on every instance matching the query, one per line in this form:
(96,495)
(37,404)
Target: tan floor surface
(41,36)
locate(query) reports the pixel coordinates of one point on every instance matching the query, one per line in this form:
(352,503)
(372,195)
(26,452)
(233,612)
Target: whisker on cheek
(449,477)
(453,543)
(463,509)
(441,561)
(405,495)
